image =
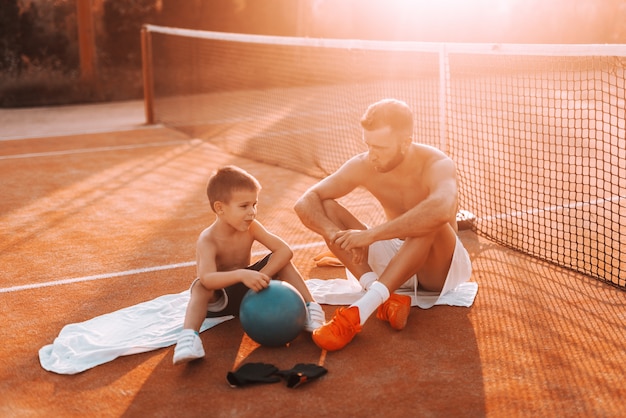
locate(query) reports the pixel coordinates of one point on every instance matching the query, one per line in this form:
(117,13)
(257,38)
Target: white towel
(347,291)
(136,329)
(157,323)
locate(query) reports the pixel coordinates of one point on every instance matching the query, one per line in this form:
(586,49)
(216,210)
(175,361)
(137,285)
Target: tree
(9,36)
(122,25)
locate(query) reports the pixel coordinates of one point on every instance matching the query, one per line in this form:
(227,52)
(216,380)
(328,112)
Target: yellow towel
(327,259)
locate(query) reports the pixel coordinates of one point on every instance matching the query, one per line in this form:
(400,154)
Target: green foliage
(47,36)
(122,21)
(39,58)
(10,50)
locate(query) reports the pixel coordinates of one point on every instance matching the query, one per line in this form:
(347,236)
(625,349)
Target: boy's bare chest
(233,254)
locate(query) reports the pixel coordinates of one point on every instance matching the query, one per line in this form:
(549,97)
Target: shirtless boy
(417,187)
(223,254)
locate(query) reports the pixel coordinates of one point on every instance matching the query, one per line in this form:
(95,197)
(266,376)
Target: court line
(96,149)
(295,247)
(130,272)
(75,132)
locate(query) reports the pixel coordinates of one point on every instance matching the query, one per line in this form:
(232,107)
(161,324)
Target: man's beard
(395,161)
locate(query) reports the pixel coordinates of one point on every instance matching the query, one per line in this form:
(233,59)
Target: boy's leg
(197,307)
(315,314)
(189,346)
(291,275)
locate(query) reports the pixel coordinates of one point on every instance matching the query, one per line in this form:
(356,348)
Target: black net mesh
(538,137)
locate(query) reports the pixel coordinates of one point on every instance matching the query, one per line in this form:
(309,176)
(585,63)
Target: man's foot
(395,310)
(189,347)
(340,330)
(314,316)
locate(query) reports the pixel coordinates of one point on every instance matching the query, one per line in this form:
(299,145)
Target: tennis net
(537,131)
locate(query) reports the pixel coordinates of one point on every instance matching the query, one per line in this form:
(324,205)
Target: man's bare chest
(398,195)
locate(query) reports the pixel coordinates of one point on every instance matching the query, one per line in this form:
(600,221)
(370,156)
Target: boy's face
(240,211)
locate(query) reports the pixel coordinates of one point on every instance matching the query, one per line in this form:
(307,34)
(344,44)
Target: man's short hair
(389,112)
(228,179)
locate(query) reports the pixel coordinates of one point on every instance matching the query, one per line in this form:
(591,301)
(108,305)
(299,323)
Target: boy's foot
(340,330)
(314,316)
(395,310)
(189,347)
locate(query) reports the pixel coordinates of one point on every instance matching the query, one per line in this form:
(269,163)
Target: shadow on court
(538,341)
(432,368)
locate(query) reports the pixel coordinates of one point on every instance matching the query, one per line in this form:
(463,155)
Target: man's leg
(344,219)
(432,271)
(428,256)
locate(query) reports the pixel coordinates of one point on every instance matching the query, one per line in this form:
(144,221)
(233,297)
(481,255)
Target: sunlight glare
(440,20)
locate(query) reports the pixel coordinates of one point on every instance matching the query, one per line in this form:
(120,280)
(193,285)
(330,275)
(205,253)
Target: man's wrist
(372,234)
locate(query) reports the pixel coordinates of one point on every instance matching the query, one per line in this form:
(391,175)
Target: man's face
(384,149)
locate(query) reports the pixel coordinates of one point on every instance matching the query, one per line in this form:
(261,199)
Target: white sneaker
(315,316)
(189,347)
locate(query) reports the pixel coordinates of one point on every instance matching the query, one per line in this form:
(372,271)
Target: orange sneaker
(395,310)
(339,331)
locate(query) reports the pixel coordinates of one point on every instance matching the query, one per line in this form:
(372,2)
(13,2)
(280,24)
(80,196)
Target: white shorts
(381,253)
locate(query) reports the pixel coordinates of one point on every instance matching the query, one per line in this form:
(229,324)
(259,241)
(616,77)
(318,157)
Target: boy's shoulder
(214,237)
(206,233)
(206,238)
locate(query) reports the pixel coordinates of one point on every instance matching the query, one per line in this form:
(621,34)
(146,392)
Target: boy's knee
(197,289)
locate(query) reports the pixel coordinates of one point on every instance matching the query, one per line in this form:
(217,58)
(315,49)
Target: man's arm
(426,217)
(309,207)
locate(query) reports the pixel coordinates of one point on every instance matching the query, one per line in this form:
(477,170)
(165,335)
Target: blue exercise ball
(274,316)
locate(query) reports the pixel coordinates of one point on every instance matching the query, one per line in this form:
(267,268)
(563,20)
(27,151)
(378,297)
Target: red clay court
(101,212)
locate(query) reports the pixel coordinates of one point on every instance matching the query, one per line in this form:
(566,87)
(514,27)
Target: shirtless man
(417,187)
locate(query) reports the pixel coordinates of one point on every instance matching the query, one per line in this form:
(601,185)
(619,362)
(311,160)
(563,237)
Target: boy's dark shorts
(236,292)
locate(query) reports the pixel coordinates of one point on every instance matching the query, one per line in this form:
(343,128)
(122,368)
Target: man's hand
(355,242)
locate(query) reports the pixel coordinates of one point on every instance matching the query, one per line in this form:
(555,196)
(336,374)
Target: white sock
(367,279)
(371,300)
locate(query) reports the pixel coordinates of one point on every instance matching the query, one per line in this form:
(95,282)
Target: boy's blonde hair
(226,180)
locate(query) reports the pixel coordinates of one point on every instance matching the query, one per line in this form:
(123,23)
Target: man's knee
(331,207)
(341,216)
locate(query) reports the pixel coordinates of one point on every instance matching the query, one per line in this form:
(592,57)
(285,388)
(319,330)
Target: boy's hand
(255,280)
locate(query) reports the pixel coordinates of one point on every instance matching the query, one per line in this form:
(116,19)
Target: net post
(443,90)
(148,79)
